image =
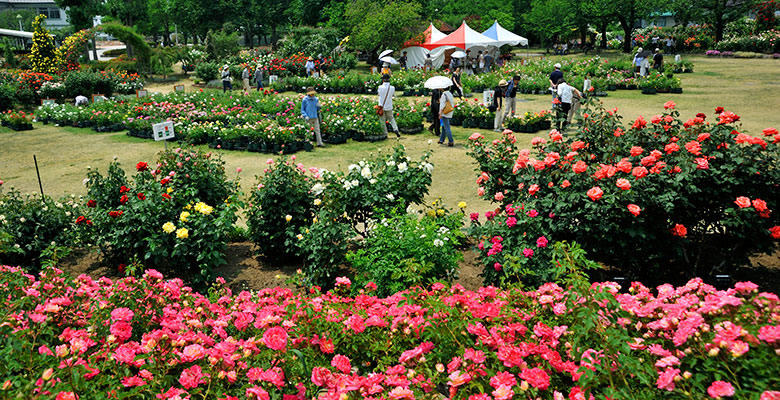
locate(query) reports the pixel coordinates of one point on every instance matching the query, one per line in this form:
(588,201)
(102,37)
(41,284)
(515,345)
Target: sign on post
(178,88)
(163,131)
(48,101)
(487,97)
(141,93)
(272,79)
(98,98)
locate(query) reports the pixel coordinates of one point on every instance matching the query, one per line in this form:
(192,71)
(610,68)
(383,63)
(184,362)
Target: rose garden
(633,255)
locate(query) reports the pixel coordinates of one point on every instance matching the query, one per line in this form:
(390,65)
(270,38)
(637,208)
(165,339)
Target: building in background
(55,16)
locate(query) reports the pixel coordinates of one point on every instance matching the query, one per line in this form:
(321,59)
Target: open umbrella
(438,82)
(458,54)
(389,60)
(645,54)
(385,53)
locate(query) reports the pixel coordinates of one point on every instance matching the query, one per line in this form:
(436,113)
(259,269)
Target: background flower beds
(534,78)
(144,337)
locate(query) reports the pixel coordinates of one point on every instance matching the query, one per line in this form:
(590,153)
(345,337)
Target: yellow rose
(183,216)
(168,227)
(440,212)
(182,233)
(288,217)
(317,202)
(169,190)
(300,237)
(462,204)
(431,213)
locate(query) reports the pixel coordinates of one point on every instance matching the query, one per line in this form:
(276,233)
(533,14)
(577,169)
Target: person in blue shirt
(310,108)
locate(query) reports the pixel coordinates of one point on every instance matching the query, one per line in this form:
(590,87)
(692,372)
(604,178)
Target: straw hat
(311,91)
(503,83)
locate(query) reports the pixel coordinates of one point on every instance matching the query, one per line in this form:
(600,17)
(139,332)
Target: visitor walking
(259,77)
(309,66)
(565,96)
(428,64)
(310,109)
(668,45)
(446,107)
(488,62)
(245,78)
(457,87)
(454,63)
(498,105)
(638,58)
(402,61)
(386,92)
(576,100)
(321,65)
(226,79)
(481,62)
(555,76)
(658,60)
(436,124)
(509,95)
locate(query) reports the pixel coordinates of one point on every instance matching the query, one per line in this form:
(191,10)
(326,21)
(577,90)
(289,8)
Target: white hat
(557,65)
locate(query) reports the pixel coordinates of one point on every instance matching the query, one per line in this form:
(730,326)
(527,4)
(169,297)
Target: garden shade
(438,82)
(503,36)
(430,35)
(385,53)
(389,60)
(465,38)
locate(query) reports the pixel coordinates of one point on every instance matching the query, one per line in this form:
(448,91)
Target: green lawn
(744,86)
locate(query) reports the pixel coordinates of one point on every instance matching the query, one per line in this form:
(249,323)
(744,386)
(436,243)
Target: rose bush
(176,215)
(154,338)
(656,198)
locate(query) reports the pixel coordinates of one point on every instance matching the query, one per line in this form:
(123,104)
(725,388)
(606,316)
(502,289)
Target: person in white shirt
(446,98)
(82,100)
(386,92)
(565,95)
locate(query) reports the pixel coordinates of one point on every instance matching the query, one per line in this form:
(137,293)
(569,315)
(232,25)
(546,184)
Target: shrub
(308,40)
(42,54)
(30,225)
(86,83)
(7,96)
(168,217)
(221,45)
(668,186)
(279,208)
(323,246)
(402,251)
(345,61)
(207,71)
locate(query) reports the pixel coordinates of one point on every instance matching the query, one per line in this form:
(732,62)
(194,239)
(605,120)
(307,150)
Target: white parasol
(458,54)
(385,53)
(438,82)
(389,60)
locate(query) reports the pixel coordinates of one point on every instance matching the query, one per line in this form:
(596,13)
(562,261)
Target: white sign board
(487,97)
(272,79)
(163,131)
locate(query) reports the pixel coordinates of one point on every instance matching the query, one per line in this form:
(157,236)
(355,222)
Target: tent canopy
(503,36)
(430,35)
(464,38)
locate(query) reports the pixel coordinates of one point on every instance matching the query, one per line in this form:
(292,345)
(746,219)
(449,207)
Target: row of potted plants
(17,120)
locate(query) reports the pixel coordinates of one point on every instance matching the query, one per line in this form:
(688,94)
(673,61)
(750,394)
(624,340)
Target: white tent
(418,49)
(503,36)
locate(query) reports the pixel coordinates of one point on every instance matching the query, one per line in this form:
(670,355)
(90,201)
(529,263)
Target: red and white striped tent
(464,38)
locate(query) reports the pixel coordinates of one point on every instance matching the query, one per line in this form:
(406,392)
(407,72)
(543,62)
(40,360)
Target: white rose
(402,167)
(365,172)
(438,242)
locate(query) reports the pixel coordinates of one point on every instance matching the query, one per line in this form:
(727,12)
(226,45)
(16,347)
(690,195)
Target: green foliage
(279,208)
(8,19)
(308,40)
(345,61)
(323,245)
(207,71)
(221,45)
(43,55)
(7,96)
(161,62)
(402,251)
(87,82)
(136,43)
(29,225)
(389,25)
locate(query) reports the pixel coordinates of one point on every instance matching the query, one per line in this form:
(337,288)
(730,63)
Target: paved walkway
(102,50)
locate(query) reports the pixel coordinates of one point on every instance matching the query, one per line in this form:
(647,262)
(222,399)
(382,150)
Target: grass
(746,87)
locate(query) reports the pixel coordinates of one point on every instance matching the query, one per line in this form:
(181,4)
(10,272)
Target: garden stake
(40,185)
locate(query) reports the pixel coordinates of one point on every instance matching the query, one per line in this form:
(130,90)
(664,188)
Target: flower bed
(18,121)
(148,337)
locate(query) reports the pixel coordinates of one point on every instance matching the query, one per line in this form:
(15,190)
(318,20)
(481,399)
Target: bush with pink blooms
(663,199)
(152,338)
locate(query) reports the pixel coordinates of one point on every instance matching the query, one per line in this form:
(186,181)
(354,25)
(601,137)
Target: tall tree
(129,12)
(375,25)
(547,21)
(629,13)
(715,12)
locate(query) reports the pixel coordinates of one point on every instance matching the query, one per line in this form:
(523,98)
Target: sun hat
(311,58)
(503,83)
(225,67)
(639,50)
(311,90)
(657,49)
(557,65)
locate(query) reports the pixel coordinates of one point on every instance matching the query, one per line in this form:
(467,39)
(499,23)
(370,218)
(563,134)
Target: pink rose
(595,193)
(720,389)
(275,338)
(742,202)
(341,363)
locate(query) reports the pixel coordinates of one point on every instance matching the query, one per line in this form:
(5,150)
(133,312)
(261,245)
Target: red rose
(142,166)
(595,193)
(770,132)
(91,204)
(123,200)
(123,189)
(634,209)
(114,214)
(679,230)
(774,232)
(141,196)
(580,167)
(759,205)
(718,110)
(80,220)
(742,202)
(166,196)
(639,172)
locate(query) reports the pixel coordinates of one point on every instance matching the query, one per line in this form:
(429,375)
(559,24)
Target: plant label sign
(178,88)
(272,79)
(487,96)
(98,98)
(163,131)
(141,93)
(48,102)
